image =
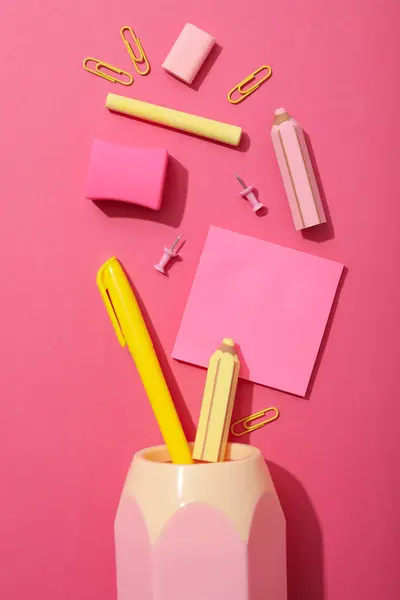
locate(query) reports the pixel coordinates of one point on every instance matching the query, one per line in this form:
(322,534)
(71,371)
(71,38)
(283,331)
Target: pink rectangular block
(273,301)
(297,171)
(126,174)
(188,53)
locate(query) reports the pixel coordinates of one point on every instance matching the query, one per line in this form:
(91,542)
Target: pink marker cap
(188,53)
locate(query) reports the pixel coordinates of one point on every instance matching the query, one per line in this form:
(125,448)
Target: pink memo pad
(272,300)
(188,53)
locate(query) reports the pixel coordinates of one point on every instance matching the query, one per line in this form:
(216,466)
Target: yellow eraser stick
(217,405)
(214,130)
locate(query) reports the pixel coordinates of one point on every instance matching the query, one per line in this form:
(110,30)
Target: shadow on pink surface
(180,404)
(325,231)
(326,334)
(305,565)
(243,407)
(173,204)
(206,67)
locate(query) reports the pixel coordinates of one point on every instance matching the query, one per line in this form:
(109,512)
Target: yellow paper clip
(246,420)
(142,59)
(239,87)
(103,65)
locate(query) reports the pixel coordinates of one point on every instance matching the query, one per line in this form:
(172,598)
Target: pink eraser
(127,174)
(297,171)
(188,53)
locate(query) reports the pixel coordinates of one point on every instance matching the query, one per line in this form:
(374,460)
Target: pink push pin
(168,254)
(249,195)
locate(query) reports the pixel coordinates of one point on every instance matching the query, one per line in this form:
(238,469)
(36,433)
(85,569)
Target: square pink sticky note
(272,300)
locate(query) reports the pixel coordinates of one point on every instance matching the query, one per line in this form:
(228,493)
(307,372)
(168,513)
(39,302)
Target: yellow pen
(131,330)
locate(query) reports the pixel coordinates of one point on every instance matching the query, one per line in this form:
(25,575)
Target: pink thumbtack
(168,254)
(249,195)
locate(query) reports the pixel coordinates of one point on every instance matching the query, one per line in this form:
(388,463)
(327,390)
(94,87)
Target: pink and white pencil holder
(208,531)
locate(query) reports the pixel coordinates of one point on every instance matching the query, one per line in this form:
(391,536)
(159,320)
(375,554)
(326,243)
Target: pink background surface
(72,409)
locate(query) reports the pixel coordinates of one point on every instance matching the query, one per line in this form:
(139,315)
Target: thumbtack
(168,254)
(249,194)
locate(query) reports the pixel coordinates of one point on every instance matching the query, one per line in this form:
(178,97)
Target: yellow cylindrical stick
(214,130)
(217,405)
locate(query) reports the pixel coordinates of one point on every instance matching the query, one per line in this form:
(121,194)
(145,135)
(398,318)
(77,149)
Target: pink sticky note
(273,301)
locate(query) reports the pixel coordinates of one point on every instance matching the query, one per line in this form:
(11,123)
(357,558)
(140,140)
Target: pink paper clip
(249,195)
(168,254)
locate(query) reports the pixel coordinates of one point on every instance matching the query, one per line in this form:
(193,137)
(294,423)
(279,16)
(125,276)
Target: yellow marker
(214,130)
(131,330)
(217,404)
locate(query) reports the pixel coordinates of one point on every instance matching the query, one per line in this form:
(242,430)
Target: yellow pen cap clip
(103,279)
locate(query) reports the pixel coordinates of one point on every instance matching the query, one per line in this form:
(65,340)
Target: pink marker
(168,254)
(249,194)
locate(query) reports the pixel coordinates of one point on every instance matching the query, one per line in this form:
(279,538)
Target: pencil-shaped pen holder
(211,531)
